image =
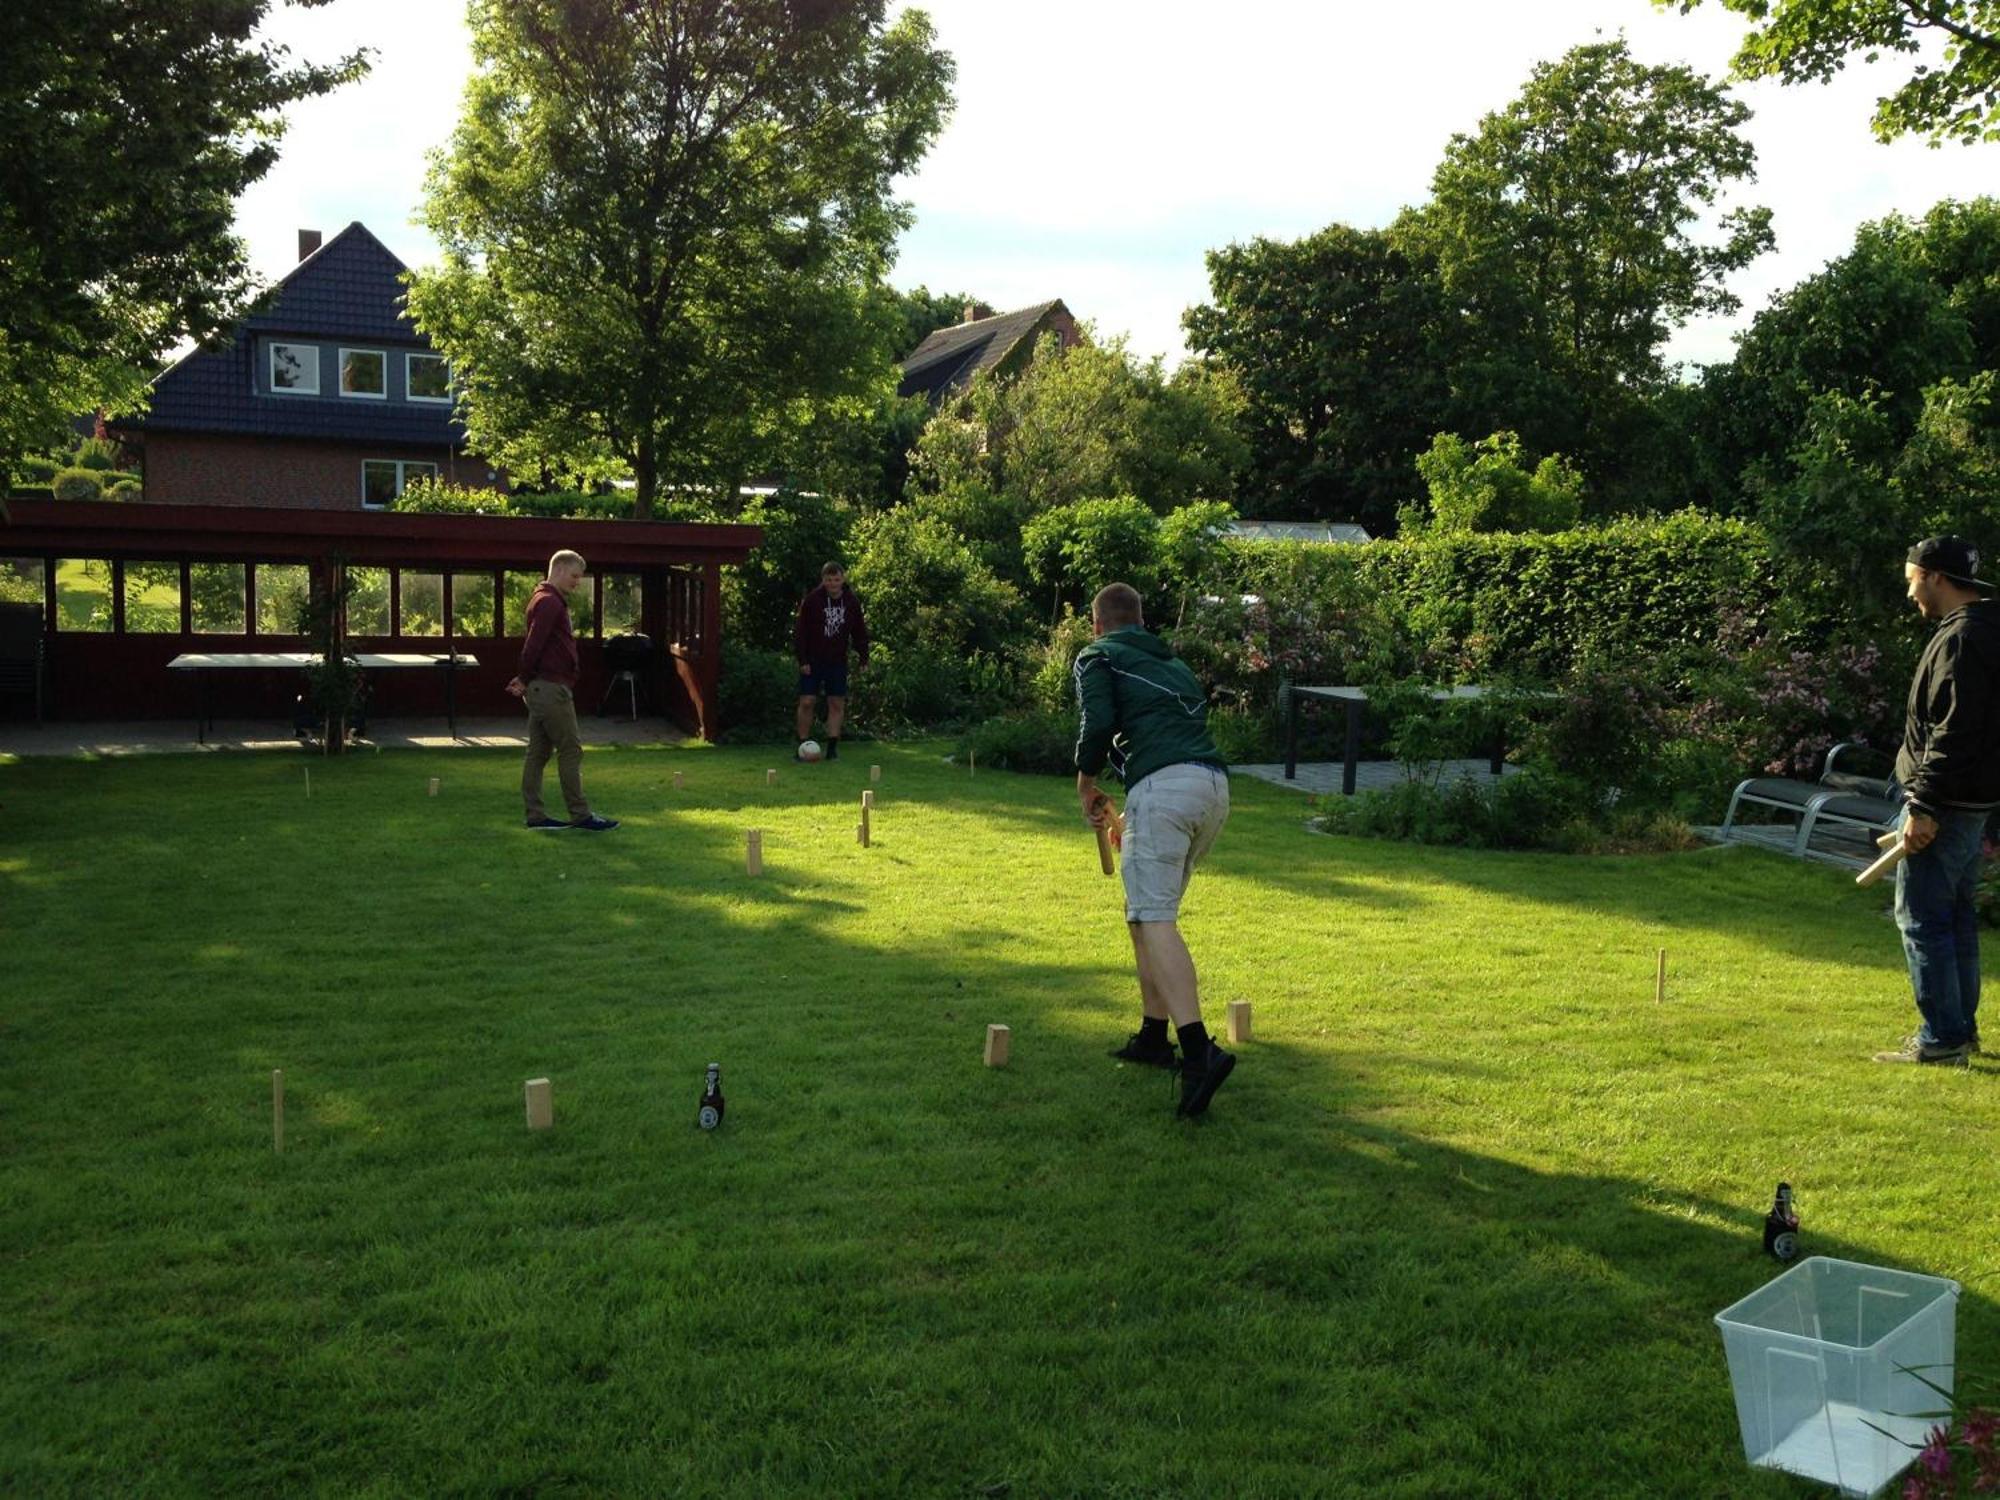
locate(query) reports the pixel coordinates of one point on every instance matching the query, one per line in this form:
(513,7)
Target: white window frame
(403,476)
(410,391)
(271,368)
(381,395)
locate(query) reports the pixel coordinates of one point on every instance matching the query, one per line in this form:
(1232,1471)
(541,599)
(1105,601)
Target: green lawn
(1457,1226)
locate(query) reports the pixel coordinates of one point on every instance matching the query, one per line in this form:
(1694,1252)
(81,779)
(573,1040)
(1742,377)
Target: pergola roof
(232,532)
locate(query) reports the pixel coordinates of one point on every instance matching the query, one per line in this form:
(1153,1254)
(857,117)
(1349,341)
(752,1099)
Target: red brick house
(324,397)
(945,362)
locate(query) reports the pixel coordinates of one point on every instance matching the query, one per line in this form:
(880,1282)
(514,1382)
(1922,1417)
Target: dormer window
(364,372)
(427,377)
(295,369)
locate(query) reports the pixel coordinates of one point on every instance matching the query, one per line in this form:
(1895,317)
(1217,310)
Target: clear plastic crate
(1820,1359)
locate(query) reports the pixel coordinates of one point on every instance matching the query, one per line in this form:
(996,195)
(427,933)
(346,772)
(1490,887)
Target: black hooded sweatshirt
(1951,729)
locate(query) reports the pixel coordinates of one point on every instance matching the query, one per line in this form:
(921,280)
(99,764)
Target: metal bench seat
(1839,799)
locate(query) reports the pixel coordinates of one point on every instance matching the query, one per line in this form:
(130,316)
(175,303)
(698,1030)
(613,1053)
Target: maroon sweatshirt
(826,626)
(549,652)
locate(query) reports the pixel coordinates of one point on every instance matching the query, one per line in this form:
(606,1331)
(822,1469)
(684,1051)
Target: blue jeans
(1935,909)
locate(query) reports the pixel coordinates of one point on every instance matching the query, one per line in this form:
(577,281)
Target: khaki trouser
(552,730)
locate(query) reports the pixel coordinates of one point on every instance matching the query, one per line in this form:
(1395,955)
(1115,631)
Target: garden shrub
(757,694)
(95,453)
(78,484)
(1072,551)
(29,472)
(1039,740)
(124,489)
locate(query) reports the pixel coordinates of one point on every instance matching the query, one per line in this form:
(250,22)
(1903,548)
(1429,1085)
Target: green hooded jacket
(1138,704)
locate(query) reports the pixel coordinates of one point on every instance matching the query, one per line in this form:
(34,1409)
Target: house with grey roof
(325,396)
(945,362)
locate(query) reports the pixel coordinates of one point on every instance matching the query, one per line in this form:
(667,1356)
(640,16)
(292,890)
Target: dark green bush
(1534,809)
(757,695)
(1040,740)
(78,484)
(36,471)
(96,453)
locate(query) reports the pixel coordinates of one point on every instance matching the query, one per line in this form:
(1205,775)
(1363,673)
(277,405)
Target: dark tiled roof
(950,357)
(349,289)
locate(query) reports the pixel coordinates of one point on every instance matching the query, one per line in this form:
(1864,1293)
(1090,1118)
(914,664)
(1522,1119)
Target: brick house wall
(186,468)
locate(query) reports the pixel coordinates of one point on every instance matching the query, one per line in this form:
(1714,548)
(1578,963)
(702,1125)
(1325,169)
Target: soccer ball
(809,750)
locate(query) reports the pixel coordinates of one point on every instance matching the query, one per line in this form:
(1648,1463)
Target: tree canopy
(1809,41)
(665,225)
(128,128)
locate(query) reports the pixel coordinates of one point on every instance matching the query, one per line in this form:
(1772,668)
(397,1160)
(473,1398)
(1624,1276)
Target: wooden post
(874,773)
(1660,979)
(278,1110)
(434,786)
(541,1104)
(972,762)
(754,851)
(867,807)
(771,778)
(677,781)
(309,783)
(1239,1021)
(999,1045)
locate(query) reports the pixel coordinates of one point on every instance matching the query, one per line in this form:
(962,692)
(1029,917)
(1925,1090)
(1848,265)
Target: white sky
(1100,146)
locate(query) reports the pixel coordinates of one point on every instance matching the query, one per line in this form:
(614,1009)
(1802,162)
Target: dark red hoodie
(549,652)
(826,625)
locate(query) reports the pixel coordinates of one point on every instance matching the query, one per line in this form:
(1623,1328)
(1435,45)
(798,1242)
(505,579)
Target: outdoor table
(201,664)
(1353,698)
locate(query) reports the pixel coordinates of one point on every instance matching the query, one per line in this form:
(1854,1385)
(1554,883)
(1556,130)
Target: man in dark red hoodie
(546,682)
(829,619)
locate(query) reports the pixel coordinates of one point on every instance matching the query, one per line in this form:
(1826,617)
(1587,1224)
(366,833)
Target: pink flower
(1936,1456)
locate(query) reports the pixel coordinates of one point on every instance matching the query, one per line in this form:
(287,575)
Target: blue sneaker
(547,822)
(595,823)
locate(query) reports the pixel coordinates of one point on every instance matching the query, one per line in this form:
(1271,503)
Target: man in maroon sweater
(829,618)
(546,682)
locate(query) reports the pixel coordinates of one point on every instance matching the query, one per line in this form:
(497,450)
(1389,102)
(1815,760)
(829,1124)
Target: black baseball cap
(1952,556)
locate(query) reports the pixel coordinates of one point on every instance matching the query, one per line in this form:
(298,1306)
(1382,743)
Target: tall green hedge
(1529,602)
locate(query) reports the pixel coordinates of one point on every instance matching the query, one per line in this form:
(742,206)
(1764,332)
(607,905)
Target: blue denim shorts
(830,679)
(1172,818)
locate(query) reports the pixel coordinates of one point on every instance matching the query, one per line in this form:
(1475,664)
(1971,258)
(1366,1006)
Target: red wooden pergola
(116,673)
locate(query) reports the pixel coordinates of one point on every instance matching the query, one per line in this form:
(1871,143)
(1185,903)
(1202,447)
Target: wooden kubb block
(1239,1020)
(999,1046)
(753,855)
(541,1104)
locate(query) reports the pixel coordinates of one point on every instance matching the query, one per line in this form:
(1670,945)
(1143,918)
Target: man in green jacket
(1140,706)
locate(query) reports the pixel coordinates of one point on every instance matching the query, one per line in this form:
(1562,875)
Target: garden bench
(1839,799)
(23,652)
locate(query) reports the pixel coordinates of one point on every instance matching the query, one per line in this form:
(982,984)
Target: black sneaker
(1139,1049)
(595,823)
(1199,1082)
(833,749)
(546,822)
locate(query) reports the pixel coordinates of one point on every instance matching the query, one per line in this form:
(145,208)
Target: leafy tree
(1564,231)
(128,128)
(1074,550)
(1807,41)
(1915,302)
(1080,424)
(1341,343)
(1488,486)
(665,226)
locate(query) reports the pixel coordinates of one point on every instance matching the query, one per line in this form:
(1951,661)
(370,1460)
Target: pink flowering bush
(1961,1457)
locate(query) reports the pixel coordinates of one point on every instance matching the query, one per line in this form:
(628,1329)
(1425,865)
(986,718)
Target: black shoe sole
(1220,1065)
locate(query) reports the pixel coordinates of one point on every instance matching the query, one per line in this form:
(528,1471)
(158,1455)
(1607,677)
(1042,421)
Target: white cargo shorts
(1172,818)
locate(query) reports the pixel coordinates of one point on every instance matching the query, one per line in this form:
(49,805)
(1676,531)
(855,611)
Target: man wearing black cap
(1949,768)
